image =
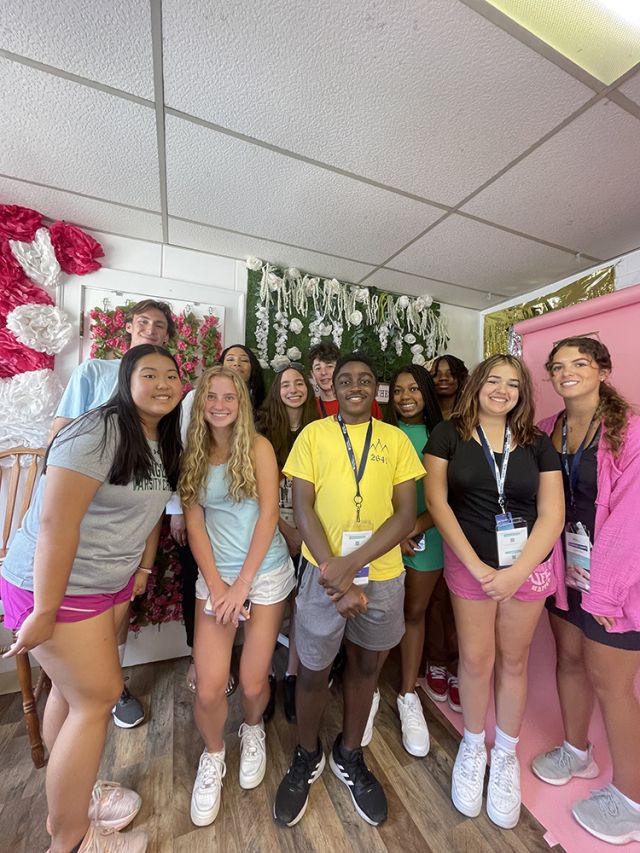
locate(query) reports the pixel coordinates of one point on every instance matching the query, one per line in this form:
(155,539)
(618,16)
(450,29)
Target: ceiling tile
(423,95)
(247,188)
(107,42)
(86,212)
(214,240)
(65,134)
(476,255)
(581,189)
(413,285)
(632,88)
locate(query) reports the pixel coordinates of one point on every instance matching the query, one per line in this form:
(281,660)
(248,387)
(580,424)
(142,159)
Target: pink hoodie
(615,558)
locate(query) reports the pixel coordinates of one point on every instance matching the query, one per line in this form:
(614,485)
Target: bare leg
(260,635)
(613,672)
(515,625)
(441,642)
(212,647)
(418,588)
(55,713)
(293,660)
(574,687)
(82,660)
(475,623)
(312,693)
(359,682)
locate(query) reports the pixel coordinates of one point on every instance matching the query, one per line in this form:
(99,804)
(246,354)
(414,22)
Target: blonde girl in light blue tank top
(229,491)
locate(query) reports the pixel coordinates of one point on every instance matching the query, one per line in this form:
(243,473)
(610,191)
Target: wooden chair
(27,475)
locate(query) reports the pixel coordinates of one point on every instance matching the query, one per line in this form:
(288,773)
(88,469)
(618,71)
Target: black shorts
(629,640)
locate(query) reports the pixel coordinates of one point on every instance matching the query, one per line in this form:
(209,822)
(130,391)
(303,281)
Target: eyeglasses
(294,364)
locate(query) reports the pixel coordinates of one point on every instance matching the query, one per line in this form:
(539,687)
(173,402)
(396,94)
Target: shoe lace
(252,738)
(560,756)
(106,790)
(504,766)
(606,801)
(298,772)
(472,761)
(359,770)
(437,671)
(412,713)
(211,771)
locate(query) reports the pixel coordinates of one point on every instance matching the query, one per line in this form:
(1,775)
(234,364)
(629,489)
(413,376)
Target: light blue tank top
(230,526)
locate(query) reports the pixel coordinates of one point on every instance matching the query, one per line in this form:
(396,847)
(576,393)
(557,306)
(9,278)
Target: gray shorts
(320,628)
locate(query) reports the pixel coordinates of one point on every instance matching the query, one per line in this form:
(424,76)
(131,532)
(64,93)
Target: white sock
(631,803)
(121,649)
(582,754)
(505,742)
(474,739)
(219,754)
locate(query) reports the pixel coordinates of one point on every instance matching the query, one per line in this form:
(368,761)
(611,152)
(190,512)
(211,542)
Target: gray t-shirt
(116,525)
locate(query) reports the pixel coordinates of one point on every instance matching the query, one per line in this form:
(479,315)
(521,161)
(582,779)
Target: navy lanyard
(499,473)
(358,472)
(572,473)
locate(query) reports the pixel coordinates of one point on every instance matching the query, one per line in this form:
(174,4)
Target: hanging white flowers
(294,354)
(295,326)
(409,339)
(254,264)
(355,318)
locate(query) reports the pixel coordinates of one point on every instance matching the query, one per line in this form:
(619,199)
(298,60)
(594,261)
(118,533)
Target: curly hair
(459,371)
(465,416)
(431,413)
(273,422)
(613,408)
(241,465)
(256,378)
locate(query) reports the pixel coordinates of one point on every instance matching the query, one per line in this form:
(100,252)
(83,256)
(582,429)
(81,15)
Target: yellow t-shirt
(319,456)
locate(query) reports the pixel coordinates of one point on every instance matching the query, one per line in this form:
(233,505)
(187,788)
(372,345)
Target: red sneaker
(436,686)
(454,693)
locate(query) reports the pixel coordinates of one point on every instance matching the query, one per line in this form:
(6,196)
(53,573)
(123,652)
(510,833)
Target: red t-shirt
(330,407)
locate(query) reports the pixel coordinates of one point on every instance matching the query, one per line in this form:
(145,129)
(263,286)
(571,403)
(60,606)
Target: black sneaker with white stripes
(366,792)
(292,795)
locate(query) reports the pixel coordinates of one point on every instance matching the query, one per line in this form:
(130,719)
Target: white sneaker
(467,778)
(368,729)
(503,793)
(253,755)
(415,734)
(207,789)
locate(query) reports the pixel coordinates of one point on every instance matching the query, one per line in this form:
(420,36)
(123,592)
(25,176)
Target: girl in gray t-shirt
(86,548)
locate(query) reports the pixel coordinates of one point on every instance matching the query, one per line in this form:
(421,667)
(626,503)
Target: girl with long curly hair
(595,615)
(494,490)
(229,492)
(290,405)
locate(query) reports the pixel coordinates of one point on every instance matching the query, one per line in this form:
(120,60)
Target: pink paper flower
(15,358)
(10,269)
(19,223)
(76,251)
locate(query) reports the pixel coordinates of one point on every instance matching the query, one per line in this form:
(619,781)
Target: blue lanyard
(499,473)
(572,473)
(358,471)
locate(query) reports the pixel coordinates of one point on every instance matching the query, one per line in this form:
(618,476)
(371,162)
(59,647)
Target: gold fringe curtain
(497,326)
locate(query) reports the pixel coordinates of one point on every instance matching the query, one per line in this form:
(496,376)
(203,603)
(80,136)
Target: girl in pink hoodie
(595,614)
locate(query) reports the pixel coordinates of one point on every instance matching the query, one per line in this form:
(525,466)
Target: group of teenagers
(321,508)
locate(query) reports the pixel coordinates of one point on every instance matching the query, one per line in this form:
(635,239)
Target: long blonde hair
(241,466)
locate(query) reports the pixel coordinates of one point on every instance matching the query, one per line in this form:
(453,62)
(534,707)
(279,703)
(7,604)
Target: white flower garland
(334,306)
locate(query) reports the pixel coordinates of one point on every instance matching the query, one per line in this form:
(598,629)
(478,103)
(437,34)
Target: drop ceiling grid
(234,245)
(107,42)
(581,188)
(90,142)
(469,252)
(632,88)
(247,188)
(441,291)
(350,84)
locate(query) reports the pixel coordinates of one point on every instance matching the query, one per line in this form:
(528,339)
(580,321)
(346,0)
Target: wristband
(143,569)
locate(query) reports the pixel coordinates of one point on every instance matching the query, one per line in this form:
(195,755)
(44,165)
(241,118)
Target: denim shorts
(267,587)
(320,628)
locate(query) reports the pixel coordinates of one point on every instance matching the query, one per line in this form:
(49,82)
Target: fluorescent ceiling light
(600,36)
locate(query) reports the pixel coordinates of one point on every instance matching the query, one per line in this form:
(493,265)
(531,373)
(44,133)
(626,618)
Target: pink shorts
(18,604)
(540,583)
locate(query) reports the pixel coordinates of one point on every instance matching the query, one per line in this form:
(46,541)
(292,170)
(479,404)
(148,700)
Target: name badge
(577,558)
(511,537)
(351,541)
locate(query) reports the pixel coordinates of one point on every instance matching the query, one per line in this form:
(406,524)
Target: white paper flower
(427,300)
(254,264)
(273,281)
(38,259)
(295,326)
(355,318)
(409,339)
(264,364)
(292,272)
(294,354)
(417,348)
(403,302)
(418,358)
(325,329)
(28,404)
(279,362)
(44,328)
(362,294)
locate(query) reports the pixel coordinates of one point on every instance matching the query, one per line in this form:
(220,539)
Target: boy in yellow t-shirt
(354,500)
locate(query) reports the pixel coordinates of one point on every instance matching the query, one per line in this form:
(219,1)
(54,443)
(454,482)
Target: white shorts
(267,587)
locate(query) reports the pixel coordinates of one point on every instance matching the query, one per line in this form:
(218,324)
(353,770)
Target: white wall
(465,333)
